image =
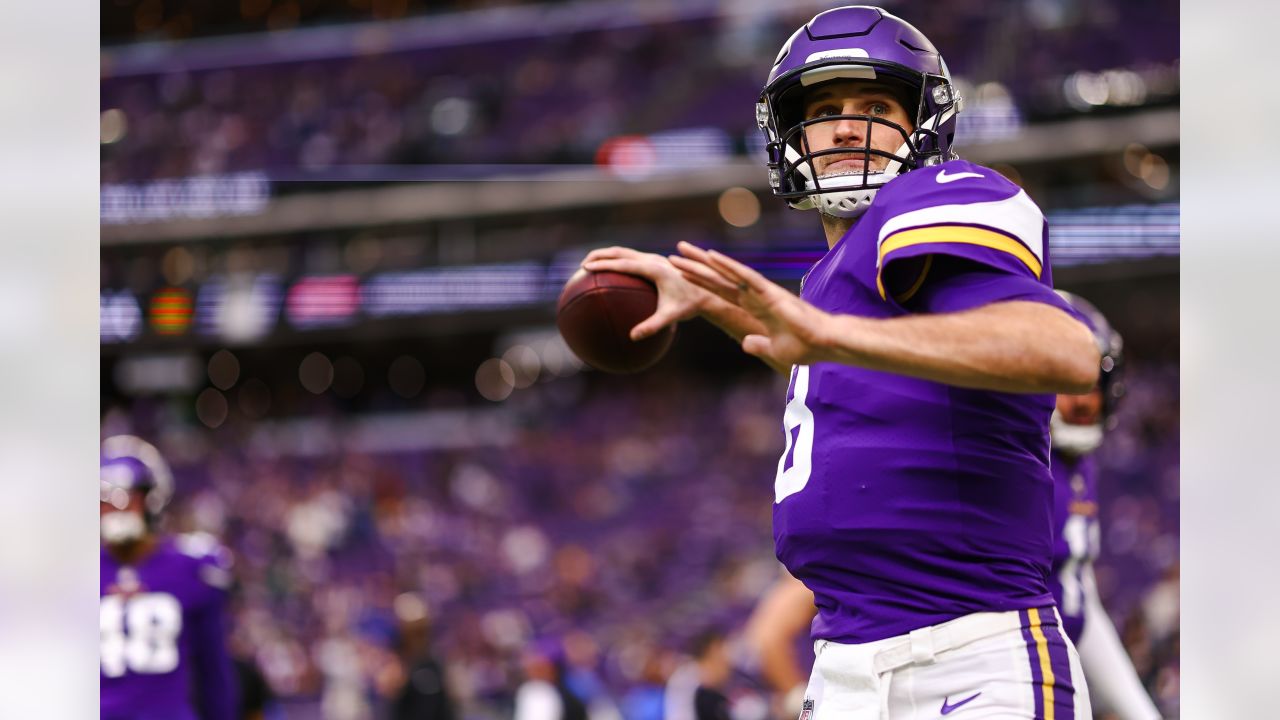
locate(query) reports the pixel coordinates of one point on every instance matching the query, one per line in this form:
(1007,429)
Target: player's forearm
(1025,347)
(783,614)
(736,323)
(780,668)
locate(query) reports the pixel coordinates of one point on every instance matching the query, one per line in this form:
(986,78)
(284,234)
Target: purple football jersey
(902,502)
(1075,516)
(163,652)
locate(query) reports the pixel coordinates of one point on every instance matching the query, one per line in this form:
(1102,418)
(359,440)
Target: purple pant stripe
(1033,656)
(1064,692)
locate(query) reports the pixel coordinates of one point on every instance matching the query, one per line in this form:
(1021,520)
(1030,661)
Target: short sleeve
(957,284)
(214,562)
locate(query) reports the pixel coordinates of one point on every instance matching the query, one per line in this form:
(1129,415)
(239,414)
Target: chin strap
(1074,439)
(854,202)
(836,202)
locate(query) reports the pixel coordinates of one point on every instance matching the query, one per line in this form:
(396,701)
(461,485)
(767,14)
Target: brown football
(596,313)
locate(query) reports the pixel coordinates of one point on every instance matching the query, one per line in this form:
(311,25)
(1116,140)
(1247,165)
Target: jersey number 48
(139,633)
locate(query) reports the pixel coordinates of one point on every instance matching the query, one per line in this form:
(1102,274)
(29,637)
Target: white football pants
(1010,665)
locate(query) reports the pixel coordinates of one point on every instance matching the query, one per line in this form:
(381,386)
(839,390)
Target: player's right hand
(678,299)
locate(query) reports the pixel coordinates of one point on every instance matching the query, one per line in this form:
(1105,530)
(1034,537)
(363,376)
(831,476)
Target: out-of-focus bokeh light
(239,308)
(410,608)
(495,379)
(348,377)
(224,369)
(557,358)
(1133,155)
(1085,90)
(406,376)
(525,363)
(525,549)
(452,116)
(1147,166)
(211,407)
(508,629)
(739,207)
(315,373)
(1154,170)
(114,126)
(1119,87)
(177,266)
(119,317)
(1125,87)
(629,157)
(254,398)
(171,310)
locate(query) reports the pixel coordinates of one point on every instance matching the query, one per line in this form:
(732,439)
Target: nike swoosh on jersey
(944,178)
(948,709)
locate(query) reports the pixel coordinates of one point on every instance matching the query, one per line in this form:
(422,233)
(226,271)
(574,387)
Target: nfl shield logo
(807,711)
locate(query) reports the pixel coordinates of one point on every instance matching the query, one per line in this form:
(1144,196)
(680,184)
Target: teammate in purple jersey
(914,498)
(162,614)
(1078,425)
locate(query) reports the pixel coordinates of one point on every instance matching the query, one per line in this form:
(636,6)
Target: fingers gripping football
(678,299)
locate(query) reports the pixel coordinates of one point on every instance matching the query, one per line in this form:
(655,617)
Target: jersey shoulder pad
(213,559)
(952,181)
(964,209)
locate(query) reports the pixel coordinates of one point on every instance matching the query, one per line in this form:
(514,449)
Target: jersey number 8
(139,633)
(796,462)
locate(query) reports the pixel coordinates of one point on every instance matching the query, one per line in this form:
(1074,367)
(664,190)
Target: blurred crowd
(619,520)
(1138,497)
(550,97)
(126,21)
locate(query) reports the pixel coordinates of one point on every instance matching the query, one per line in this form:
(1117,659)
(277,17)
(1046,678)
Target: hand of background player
(678,299)
(794,329)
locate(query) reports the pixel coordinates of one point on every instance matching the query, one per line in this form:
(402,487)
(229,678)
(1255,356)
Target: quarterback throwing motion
(914,497)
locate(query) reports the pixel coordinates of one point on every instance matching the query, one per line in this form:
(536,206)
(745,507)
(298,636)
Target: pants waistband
(922,645)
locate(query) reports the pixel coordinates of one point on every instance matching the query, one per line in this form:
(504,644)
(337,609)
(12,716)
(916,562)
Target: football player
(162,615)
(1078,425)
(914,497)
(1077,428)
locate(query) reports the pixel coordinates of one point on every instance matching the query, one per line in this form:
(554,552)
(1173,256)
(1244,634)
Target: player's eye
(878,108)
(823,111)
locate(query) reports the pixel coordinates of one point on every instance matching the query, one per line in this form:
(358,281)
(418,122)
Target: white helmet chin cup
(840,203)
(122,526)
(1074,439)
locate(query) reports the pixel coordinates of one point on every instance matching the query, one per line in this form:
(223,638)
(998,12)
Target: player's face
(116,499)
(122,515)
(1083,409)
(853,97)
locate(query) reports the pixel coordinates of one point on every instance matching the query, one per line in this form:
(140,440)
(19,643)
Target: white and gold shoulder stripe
(1017,217)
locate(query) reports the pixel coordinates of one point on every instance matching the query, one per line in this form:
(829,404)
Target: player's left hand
(796,330)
